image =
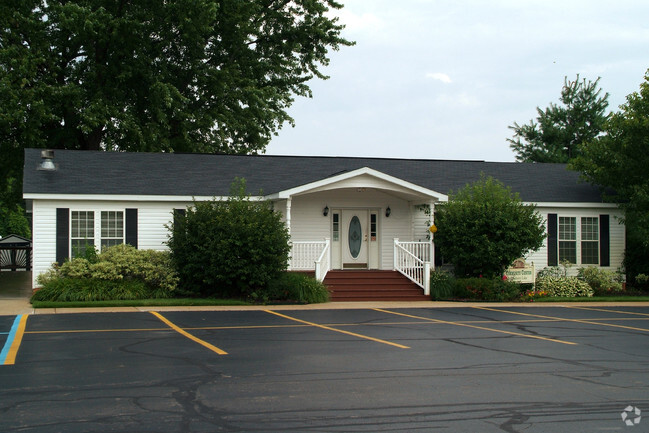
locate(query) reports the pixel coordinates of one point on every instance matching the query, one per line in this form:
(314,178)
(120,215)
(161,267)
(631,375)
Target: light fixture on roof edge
(47,164)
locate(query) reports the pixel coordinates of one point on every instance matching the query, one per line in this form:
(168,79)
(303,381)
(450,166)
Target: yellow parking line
(607,311)
(588,322)
(18,338)
(518,334)
(188,335)
(338,330)
(83,331)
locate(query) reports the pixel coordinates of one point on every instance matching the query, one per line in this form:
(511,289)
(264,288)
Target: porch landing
(355,285)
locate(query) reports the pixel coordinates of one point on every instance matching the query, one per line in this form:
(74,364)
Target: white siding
(43,237)
(420,224)
(152,218)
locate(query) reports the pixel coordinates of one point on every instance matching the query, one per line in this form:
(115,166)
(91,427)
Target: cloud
(444,78)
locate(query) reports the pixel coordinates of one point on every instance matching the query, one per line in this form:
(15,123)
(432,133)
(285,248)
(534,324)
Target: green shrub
(484,227)
(90,289)
(441,285)
(602,282)
(293,287)
(569,287)
(154,268)
(229,249)
(121,272)
(486,289)
(642,282)
(75,268)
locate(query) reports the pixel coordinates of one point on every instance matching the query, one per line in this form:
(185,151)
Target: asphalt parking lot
(469,369)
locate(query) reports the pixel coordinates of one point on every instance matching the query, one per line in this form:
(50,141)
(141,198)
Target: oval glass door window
(355,236)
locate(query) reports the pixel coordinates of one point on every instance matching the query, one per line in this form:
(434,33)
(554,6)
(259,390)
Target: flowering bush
(568,287)
(602,281)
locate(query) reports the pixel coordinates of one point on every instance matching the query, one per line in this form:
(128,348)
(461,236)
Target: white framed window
(112,228)
(568,239)
(590,241)
(335,221)
(579,240)
(82,231)
(86,229)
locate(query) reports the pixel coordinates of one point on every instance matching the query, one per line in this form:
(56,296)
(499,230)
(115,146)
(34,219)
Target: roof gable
(13,240)
(364,177)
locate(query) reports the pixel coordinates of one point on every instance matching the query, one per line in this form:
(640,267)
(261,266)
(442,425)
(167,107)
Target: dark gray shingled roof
(88,172)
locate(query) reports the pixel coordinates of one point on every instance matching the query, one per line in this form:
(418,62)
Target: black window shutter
(62,234)
(604,241)
(553,237)
(131,227)
(178,213)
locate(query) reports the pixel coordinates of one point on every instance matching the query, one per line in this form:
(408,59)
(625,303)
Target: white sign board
(521,272)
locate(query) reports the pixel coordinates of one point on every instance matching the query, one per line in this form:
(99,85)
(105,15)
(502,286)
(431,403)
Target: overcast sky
(440,79)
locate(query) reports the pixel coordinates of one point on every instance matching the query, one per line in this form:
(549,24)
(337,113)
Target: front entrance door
(354,239)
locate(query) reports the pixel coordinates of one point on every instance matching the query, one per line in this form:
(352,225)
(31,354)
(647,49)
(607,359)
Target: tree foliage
(230,248)
(485,227)
(13,219)
(618,161)
(155,75)
(559,130)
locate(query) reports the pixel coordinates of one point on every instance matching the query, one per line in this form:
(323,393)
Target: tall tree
(559,130)
(156,75)
(618,160)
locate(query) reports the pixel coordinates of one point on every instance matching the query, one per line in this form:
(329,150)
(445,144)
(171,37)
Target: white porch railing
(323,264)
(412,259)
(311,255)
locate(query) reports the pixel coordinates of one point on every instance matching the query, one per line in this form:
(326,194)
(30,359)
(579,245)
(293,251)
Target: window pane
(589,229)
(590,253)
(105,243)
(568,251)
(567,228)
(79,246)
(82,231)
(336,227)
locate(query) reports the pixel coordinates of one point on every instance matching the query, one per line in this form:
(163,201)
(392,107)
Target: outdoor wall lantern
(325,211)
(388,211)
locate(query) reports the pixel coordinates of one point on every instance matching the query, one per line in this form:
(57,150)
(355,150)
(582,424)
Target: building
(342,213)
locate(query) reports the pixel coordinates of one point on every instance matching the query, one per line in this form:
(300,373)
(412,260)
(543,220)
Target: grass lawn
(171,302)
